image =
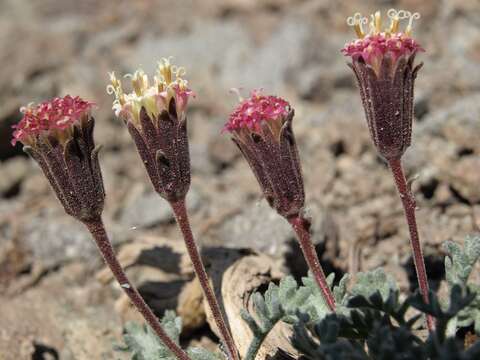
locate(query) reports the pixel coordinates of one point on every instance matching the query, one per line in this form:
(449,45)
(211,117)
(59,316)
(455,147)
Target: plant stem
(301,227)
(254,346)
(409,206)
(97,229)
(181,216)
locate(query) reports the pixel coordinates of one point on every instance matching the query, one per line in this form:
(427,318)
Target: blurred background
(56,301)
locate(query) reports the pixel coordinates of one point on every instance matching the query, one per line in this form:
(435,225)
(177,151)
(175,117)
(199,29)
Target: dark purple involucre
(69,160)
(271,151)
(387,99)
(162,143)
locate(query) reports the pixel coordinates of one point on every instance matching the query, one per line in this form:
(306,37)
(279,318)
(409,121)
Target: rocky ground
(56,302)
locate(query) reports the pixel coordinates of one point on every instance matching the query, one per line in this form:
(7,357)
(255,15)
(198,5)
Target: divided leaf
(370,282)
(143,344)
(460,261)
(459,264)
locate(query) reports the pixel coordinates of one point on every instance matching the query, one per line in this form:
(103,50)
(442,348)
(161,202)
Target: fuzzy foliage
(458,266)
(143,344)
(162,144)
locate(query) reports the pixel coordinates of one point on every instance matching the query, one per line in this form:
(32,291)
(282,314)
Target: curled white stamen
(237,91)
(414,16)
(110,90)
(27,108)
(374,22)
(351,20)
(356,21)
(392,13)
(403,14)
(180,72)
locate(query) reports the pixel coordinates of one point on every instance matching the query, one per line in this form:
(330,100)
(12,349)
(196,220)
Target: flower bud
(261,126)
(383,63)
(58,135)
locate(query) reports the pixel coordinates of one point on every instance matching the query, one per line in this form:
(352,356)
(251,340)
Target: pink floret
(55,114)
(182,97)
(251,112)
(374,47)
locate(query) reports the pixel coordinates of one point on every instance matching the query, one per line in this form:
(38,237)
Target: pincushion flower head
(261,126)
(155,114)
(58,134)
(383,62)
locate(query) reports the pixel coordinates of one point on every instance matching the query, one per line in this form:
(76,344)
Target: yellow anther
(113,79)
(378,22)
(122,99)
(371,25)
(164,71)
(359,30)
(139,82)
(180,71)
(158,82)
(394,21)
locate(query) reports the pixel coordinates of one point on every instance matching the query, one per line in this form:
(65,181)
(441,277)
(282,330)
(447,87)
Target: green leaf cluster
(143,344)
(459,264)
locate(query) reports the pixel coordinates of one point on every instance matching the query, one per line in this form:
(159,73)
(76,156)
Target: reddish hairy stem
(409,206)
(181,216)
(97,229)
(301,226)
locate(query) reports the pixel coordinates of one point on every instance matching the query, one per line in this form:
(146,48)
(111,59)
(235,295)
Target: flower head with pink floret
(58,135)
(261,127)
(53,118)
(257,110)
(379,44)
